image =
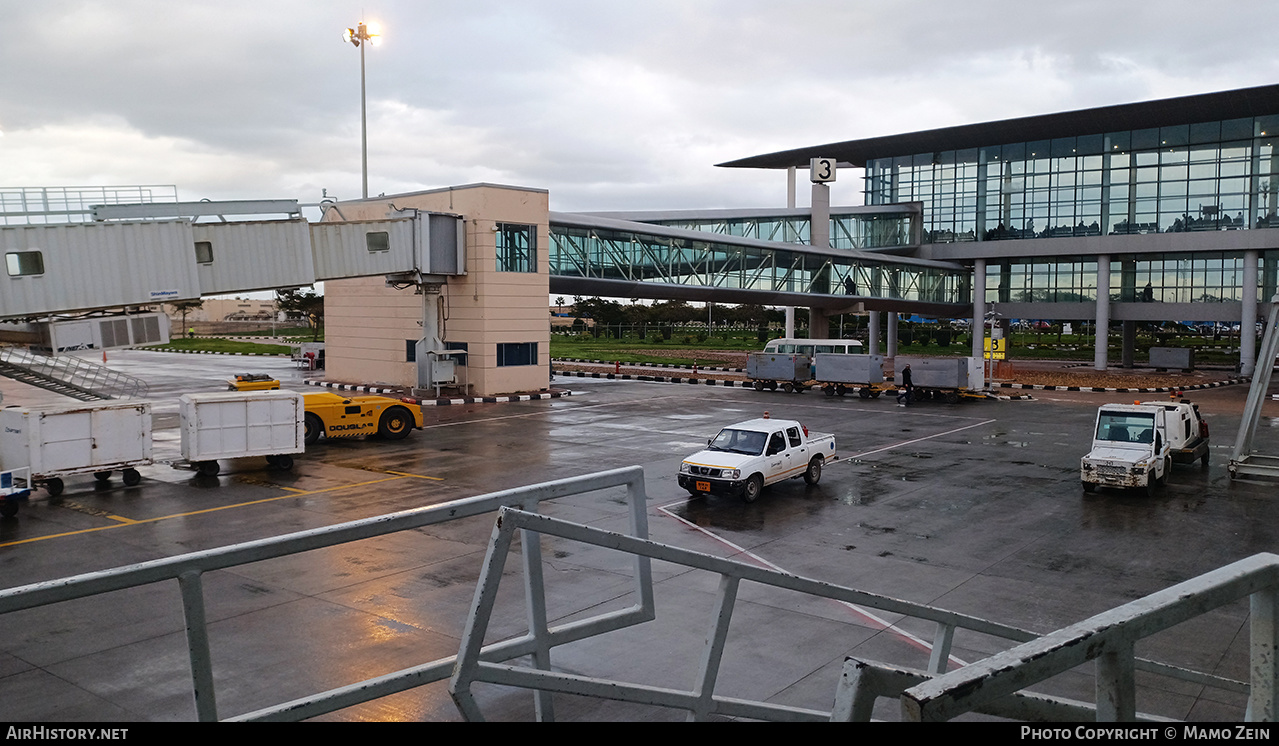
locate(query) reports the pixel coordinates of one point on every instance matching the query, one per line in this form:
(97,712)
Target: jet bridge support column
(429,368)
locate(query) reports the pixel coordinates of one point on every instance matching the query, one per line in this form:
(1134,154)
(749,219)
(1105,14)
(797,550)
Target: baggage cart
(839,374)
(951,379)
(91,438)
(769,370)
(241,425)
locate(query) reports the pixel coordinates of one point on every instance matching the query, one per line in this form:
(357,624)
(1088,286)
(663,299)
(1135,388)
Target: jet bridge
(125,259)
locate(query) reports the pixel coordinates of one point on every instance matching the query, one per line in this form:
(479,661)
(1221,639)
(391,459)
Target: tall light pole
(362,36)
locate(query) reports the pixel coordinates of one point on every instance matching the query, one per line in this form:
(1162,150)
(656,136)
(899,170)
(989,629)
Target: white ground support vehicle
(743,458)
(1187,431)
(1129,449)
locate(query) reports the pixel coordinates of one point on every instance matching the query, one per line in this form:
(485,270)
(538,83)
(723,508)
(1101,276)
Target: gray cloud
(608,105)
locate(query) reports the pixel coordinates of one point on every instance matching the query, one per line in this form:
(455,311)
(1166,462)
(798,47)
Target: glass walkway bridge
(755,256)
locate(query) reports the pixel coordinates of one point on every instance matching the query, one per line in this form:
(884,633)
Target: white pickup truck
(743,458)
(1129,448)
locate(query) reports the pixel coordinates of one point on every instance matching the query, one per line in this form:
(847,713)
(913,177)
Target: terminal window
(516,353)
(24,263)
(516,247)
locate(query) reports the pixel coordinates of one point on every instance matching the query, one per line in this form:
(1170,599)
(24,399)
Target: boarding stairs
(69,376)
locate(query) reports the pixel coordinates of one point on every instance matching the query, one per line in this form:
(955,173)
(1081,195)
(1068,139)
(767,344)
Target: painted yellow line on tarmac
(131,522)
(415,476)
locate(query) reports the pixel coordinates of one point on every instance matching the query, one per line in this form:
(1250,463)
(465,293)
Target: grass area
(214,344)
(294,333)
(1022,345)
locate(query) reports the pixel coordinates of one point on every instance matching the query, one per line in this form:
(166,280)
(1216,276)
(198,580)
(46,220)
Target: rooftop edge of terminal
(1202,107)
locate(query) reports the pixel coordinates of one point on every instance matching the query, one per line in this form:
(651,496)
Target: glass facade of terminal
(1201,277)
(847,231)
(1200,177)
(640,257)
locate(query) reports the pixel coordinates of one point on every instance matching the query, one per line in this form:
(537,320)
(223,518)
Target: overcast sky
(609,105)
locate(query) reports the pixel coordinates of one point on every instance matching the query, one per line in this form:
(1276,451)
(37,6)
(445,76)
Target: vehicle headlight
(684,468)
(1087,466)
(733,473)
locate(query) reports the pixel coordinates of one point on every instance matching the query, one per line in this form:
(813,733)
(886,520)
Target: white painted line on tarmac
(917,440)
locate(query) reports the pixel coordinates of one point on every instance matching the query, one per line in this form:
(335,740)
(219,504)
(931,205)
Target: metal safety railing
(1109,639)
(70,375)
(188,570)
(700,700)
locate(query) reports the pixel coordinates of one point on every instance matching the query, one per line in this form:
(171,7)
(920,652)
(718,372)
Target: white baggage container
(240,425)
(95,438)
(767,369)
(836,368)
(960,373)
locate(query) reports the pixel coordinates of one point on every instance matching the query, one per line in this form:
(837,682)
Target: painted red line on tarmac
(866,615)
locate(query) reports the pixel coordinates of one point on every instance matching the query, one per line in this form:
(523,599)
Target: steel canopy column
(978,327)
(818,324)
(1130,343)
(892,336)
(873,337)
(1248,315)
(1103,311)
(790,202)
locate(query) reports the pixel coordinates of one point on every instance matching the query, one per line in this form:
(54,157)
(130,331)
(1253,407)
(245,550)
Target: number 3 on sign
(821,170)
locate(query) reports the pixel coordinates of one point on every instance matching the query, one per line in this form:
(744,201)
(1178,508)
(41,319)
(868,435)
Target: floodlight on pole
(361,36)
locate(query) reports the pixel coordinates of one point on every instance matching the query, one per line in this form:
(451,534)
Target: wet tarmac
(974,507)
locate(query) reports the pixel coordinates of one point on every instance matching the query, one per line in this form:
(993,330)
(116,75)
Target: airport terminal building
(1150,211)
(1144,212)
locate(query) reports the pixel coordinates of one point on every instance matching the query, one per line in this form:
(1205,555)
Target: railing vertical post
(637,496)
(1263,661)
(943,638)
(535,601)
(206,705)
(713,653)
(1116,685)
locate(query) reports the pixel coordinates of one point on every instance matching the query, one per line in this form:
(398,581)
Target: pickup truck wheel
(395,424)
(813,474)
(314,426)
(1090,487)
(1167,468)
(1203,461)
(754,486)
(1150,484)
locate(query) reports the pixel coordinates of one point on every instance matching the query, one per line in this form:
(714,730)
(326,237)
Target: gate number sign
(821,170)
